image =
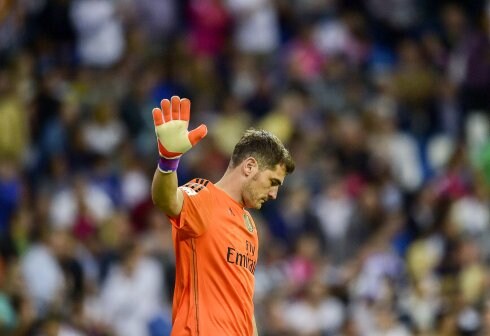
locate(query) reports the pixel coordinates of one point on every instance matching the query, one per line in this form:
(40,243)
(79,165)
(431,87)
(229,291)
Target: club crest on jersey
(248,223)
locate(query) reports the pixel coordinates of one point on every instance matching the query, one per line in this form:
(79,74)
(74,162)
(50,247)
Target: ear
(250,166)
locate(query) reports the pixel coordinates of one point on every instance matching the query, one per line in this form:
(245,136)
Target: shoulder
(195,186)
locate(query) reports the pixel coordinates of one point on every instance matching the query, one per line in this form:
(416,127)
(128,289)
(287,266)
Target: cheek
(250,191)
(247,191)
(253,191)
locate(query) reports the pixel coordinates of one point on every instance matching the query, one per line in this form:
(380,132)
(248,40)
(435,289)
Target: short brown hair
(265,147)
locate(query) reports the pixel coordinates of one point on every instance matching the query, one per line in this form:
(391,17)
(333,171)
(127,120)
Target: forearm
(165,193)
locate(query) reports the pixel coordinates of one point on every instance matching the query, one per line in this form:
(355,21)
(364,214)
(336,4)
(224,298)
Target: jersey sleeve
(196,209)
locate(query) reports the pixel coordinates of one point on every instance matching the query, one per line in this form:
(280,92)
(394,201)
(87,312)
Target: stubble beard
(251,198)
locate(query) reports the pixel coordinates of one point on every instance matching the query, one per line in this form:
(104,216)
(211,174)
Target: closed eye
(275,182)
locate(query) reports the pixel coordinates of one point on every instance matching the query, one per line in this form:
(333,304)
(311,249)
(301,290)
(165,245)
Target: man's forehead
(279,172)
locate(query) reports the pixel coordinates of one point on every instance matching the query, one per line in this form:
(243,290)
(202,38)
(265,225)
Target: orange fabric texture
(216,249)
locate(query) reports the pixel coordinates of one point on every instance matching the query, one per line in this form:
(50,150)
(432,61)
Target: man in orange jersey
(215,238)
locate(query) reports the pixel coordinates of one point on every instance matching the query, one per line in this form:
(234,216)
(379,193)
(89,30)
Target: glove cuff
(168,165)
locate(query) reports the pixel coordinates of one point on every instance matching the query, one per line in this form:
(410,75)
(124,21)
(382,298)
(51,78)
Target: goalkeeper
(214,236)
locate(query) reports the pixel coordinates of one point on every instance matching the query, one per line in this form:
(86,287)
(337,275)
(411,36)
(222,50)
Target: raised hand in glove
(173,138)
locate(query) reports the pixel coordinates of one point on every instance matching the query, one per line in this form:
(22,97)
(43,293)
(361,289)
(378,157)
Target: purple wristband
(168,165)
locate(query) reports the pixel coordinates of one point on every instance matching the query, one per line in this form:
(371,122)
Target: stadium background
(384,228)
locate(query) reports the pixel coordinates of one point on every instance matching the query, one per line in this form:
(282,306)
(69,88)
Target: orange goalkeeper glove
(173,138)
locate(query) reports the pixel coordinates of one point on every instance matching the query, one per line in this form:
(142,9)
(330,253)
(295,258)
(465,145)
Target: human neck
(231,184)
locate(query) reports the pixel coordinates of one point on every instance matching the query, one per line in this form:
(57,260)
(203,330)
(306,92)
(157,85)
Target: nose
(272,194)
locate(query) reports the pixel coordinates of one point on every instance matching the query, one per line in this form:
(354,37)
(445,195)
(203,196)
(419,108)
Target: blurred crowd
(382,230)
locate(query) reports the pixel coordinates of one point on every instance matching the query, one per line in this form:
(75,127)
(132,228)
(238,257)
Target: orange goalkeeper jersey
(216,249)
